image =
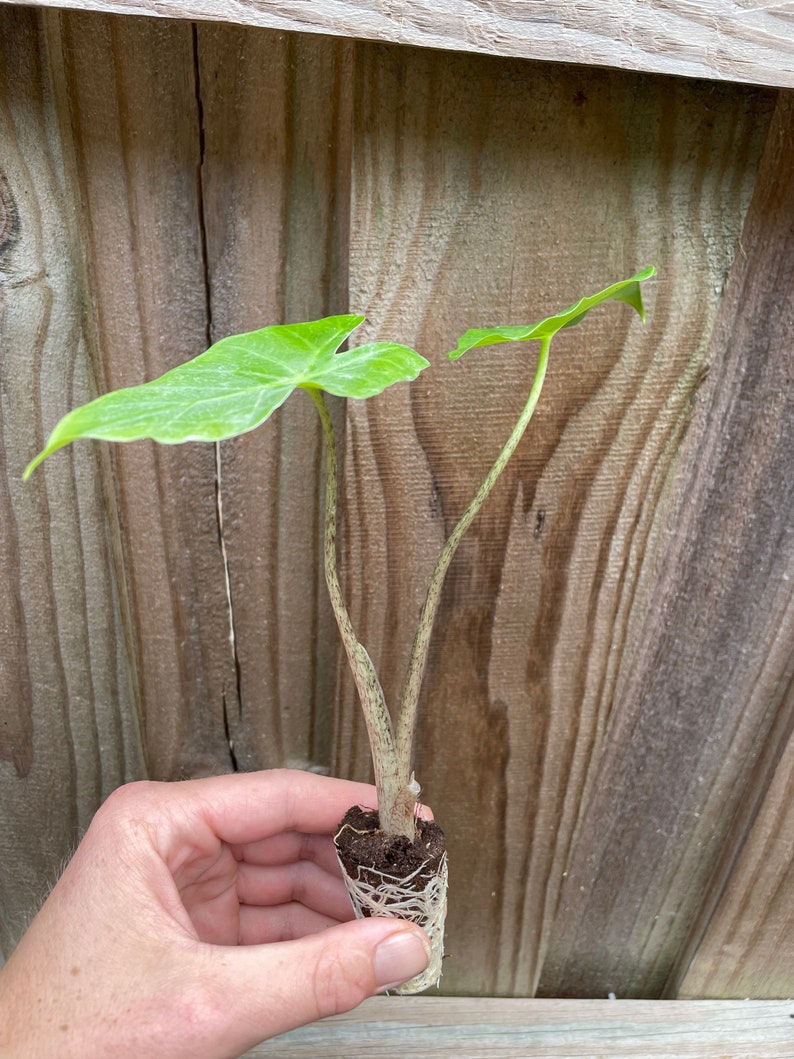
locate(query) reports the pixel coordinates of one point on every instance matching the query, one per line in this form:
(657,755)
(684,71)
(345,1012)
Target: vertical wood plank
(491,192)
(703,696)
(69,728)
(276,189)
(130,88)
(748,946)
(746,949)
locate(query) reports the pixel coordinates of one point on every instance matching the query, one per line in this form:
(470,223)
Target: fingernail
(400,957)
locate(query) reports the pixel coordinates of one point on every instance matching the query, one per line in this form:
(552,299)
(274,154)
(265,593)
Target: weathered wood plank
(748,947)
(129,88)
(470,177)
(69,727)
(276,175)
(406,1027)
(724,39)
(703,698)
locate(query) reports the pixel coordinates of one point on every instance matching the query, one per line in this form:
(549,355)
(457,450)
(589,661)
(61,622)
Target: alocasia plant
(235,386)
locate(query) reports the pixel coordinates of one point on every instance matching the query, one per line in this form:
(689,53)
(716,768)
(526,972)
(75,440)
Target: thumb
(287,984)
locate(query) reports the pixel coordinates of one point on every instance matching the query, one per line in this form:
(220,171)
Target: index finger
(249,806)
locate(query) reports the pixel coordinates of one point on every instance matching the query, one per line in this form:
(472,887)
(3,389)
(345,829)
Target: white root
(392,897)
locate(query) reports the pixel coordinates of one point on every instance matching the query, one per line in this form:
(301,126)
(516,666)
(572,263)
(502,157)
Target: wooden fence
(606,735)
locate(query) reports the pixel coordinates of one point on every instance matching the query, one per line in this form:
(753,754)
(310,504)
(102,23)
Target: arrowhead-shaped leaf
(237,383)
(627,290)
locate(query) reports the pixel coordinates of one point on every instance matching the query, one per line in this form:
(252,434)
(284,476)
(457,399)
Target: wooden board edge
(721,40)
(469,1027)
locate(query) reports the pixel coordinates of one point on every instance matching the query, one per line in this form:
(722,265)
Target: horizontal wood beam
(729,40)
(406,1027)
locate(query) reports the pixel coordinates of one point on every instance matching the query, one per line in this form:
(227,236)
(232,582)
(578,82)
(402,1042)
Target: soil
(362,845)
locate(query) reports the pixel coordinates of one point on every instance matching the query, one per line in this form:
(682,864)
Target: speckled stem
(395,802)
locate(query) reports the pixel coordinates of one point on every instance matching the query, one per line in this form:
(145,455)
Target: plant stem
(406,721)
(391,755)
(395,804)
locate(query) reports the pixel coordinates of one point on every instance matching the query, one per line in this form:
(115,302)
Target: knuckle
(126,808)
(126,797)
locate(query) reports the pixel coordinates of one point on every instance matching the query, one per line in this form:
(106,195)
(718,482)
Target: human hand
(197,919)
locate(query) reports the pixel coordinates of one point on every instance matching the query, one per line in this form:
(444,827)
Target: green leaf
(627,290)
(237,383)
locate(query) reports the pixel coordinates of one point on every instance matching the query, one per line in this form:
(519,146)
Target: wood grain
(276,175)
(69,730)
(725,39)
(474,180)
(130,91)
(703,699)
(748,947)
(403,1027)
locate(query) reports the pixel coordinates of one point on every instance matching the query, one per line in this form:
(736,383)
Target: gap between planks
(464,1027)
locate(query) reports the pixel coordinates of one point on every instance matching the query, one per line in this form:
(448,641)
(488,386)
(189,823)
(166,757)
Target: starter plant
(393,861)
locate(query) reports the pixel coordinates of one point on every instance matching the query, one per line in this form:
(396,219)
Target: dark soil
(362,845)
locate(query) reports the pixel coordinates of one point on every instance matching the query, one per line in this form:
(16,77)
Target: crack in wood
(209,339)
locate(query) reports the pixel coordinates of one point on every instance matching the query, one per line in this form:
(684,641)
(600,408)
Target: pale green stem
(406,721)
(395,805)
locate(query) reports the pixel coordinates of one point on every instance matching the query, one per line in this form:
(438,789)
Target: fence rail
(540,1029)
(729,40)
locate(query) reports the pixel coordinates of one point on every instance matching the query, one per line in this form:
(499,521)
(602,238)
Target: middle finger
(302,882)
